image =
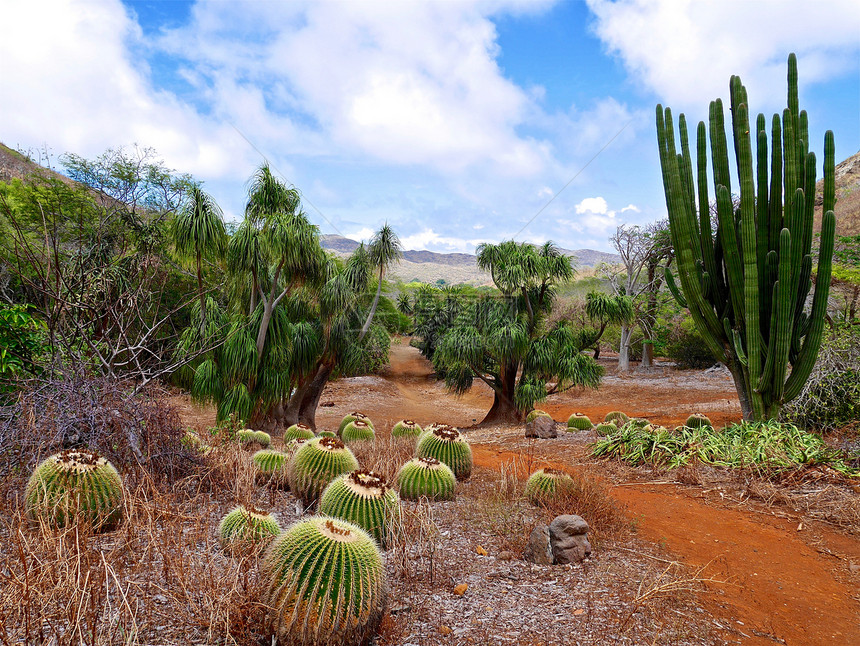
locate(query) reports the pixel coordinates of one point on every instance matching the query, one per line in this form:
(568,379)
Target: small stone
(541,427)
(460,590)
(538,549)
(569,539)
(506,555)
(853,567)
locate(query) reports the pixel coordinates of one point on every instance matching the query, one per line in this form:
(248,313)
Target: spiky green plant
(545,483)
(245,436)
(271,466)
(746,285)
(697,420)
(579,422)
(616,416)
(447,445)
(406,428)
(316,464)
(262,438)
(326,433)
(75,486)
(247,525)
(298,431)
(325,583)
(533,415)
(351,417)
(606,428)
(356,431)
(426,478)
(639,422)
(362,497)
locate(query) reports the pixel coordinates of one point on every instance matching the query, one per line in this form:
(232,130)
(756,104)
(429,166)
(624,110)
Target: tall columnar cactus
(325,583)
(351,417)
(447,445)
(746,285)
(544,484)
(406,428)
(247,525)
(426,478)
(356,431)
(75,486)
(298,432)
(317,463)
(578,422)
(363,498)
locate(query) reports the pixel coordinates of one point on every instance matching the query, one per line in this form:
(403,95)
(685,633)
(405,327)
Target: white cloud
(686,51)
(631,207)
(362,234)
(592,205)
(429,239)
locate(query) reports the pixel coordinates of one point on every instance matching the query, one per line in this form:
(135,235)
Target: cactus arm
(762,225)
(686,167)
(782,308)
(809,352)
(775,205)
(731,255)
(673,288)
(794,108)
(706,234)
(719,154)
(809,206)
(829,172)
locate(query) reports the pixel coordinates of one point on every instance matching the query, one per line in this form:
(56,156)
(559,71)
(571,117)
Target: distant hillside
(847,209)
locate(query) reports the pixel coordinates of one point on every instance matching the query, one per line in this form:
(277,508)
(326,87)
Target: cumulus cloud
(686,51)
(592,205)
(429,239)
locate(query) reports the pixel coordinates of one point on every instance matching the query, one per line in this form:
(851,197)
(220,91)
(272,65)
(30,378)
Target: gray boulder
(538,549)
(568,537)
(541,427)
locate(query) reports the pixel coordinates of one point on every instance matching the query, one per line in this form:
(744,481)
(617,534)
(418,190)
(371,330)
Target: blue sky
(454,121)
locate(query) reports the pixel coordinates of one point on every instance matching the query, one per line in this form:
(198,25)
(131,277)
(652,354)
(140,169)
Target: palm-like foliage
(603,308)
(384,250)
(505,341)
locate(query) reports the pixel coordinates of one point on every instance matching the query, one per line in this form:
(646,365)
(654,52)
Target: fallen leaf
(445,630)
(480,550)
(800,526)
(460,590)
(579,611)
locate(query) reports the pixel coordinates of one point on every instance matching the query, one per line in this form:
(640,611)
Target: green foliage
(768,448)
(447,444)
(316,464)
(389,317)
(747,286)
(325,583)
(406,428)
(830,399)
(364,499)
(247,525)
(357,431)
(75,486)
(544,484)
(22,342)
(298,431)
(683,343)
(579,421)
(426,478)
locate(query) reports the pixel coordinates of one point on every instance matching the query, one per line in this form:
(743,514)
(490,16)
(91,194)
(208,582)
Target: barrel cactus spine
(616,416)
(316,464)
(363,498)
(247,525)
(75,486)
(357,431)
(447,445)
(544,484)
(746,285)
(579,422)
(426,478)
(697,420)
(406,428)
(351,417)
(298,432)
(325,583)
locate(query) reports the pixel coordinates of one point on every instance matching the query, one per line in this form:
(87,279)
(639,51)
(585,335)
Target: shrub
(447,445)
(685,346)
(247,525)
(426,478)
(325,583)
(363,498)
(75,486)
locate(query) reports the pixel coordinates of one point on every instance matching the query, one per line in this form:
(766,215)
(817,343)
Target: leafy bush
(831,397)
(681,342)
(21,343)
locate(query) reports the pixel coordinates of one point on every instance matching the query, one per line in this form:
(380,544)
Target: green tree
(605,309)
(384,250)
(505,341)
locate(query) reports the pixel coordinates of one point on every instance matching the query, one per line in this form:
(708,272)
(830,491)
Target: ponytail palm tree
(384,250)
(505,341)
(604,309)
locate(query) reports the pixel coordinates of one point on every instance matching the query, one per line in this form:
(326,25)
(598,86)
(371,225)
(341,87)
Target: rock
(541,427)
(568,536)
(538,550)
(506,555)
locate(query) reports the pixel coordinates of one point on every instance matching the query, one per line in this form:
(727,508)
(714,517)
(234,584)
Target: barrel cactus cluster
(351,417)
(325,583)
(426,478)
(579,422)
(76,486)
(406,428)
(363,498)
(545,484)
(447,444)
(357,431)
(298,432)
(316,464)
(247,525)
(747,284)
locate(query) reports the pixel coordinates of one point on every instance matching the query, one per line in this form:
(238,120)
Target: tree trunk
(311,399)
(740,386)
(503,410)
(624,348)
(647,354)
(366,326)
